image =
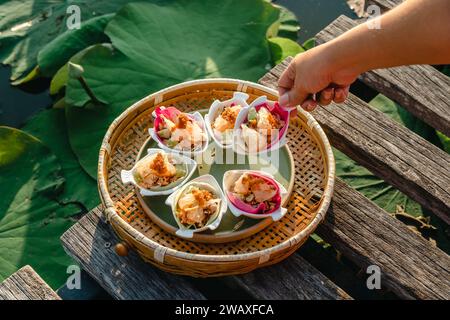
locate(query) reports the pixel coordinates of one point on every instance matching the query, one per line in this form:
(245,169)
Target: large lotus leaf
(87,127)
(160,46)
(26,26)
(49,126)
(31,218)
(55,54)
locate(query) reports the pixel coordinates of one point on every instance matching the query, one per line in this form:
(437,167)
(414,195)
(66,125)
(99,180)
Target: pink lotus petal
(261,209)
(170,113)
(282,114)
(241,205)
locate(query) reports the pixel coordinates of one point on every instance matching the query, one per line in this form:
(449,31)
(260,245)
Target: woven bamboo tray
(307,206)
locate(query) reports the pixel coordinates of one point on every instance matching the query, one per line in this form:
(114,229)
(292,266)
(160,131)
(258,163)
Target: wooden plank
(26,284)
(293,278)
(86,240)
(421,89)
(410,266)
(91,243)
(391,151)
(384,5)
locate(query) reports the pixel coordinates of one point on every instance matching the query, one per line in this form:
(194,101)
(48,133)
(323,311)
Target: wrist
(340,62)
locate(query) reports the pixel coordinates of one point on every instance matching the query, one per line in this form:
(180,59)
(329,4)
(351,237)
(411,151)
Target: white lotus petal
(216,109)
(208,182)
(199,119)
(239,136)
(127,176)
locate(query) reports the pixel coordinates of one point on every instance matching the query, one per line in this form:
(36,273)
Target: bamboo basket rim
(112,216)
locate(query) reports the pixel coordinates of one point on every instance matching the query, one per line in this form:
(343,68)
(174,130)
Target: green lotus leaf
(27,26)
(282,48)
(49,126)
(444,140)
(309,44)
(160,45)
(56,53)
(59,80)
(31,216)
(86,128)
(286,26)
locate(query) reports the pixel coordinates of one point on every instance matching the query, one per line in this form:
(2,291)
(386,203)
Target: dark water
(315,15)
(18,104)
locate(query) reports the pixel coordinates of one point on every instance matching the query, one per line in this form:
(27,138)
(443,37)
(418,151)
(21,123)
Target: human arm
(416,32)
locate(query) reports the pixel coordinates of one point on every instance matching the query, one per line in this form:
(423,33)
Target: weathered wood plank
(293,278)
(88,240)
(26,284)
(384,5)
(365,233)
(391,151)
(91,243)
(421,89)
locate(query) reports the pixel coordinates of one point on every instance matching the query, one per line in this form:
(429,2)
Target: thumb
(293,97)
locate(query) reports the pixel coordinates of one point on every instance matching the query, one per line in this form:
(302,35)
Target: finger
(326,96)
(293,113)
(282,91)
(340,94)
(293,98)
(287,79)
(309,105)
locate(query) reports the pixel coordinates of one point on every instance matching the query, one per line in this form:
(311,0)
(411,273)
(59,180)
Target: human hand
(314,77)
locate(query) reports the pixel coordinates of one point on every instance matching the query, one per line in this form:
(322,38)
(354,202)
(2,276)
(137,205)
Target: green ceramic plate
(231,228)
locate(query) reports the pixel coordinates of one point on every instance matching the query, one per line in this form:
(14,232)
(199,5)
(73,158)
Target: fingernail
(338,94)
(309,105)
(327,94)
(284,100)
